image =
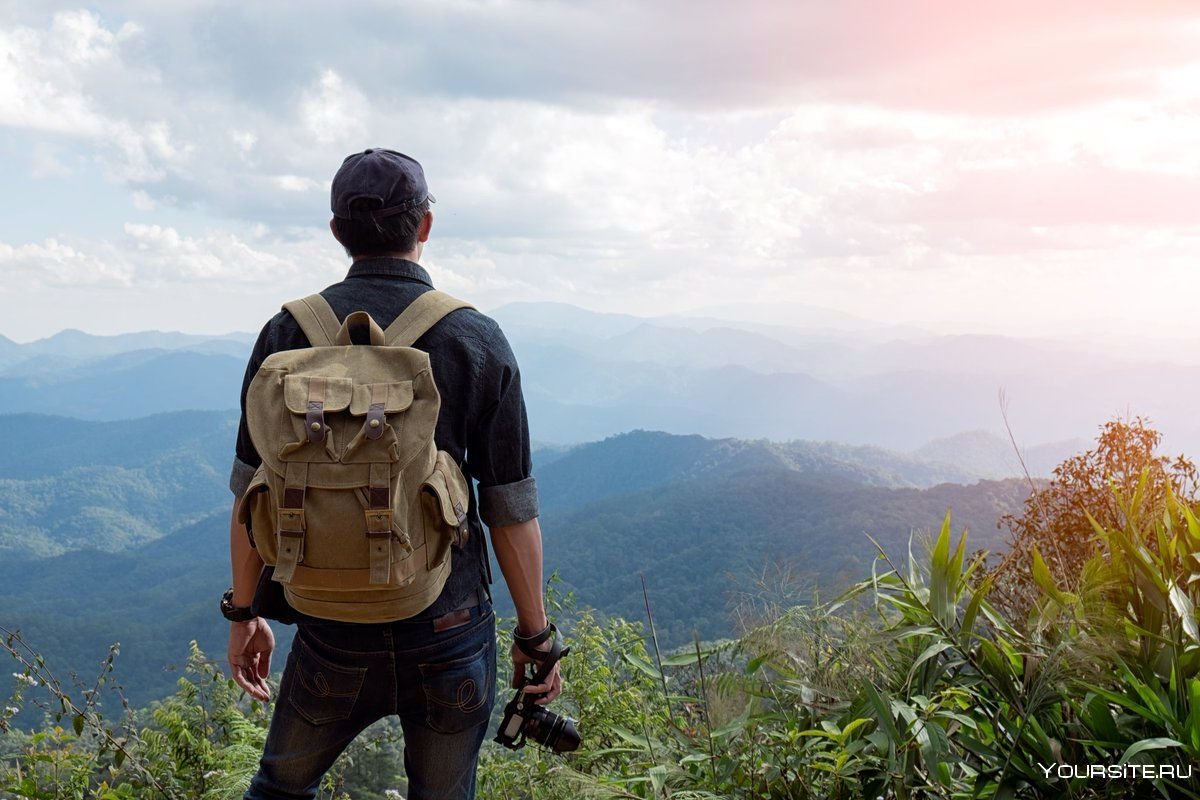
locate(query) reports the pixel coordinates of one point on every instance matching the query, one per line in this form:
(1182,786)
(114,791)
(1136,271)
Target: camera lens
(552,731)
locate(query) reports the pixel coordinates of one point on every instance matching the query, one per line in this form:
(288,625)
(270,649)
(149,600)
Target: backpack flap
(309,398)
(375,437)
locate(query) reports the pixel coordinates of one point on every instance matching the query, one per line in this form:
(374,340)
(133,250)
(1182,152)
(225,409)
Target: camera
(524,718)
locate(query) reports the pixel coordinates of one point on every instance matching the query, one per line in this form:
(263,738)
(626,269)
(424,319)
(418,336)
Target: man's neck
(410,255)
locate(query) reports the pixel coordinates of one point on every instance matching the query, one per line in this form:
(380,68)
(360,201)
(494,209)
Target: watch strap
(234,613)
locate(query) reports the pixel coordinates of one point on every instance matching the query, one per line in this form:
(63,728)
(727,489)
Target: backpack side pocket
(257,513)
(444,501)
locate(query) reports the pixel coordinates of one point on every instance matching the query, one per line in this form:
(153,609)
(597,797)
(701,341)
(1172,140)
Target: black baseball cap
(393,179)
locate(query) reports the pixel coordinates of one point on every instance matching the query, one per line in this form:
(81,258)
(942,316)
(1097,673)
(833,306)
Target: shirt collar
(392,267)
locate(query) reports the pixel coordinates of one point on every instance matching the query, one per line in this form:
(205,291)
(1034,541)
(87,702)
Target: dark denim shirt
(481,424)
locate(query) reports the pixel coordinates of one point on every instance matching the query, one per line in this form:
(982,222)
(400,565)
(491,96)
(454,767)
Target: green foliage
(914,683)
(203,742)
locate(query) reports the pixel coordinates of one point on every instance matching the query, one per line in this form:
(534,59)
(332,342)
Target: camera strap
(546,659)
(527,644)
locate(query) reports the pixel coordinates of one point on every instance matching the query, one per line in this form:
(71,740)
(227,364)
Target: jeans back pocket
(321,690)
(459,693)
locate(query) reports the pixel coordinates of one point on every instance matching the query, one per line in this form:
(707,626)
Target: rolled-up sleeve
(246,458)
(498,451)
(239,477)
(508,503)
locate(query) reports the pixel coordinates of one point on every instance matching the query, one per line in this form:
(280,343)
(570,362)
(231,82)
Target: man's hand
(545,692)
(250,647)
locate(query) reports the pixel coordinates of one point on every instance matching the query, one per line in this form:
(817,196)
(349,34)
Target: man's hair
(367,237)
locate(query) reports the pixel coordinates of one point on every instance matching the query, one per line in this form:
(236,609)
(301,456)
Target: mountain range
(588,376)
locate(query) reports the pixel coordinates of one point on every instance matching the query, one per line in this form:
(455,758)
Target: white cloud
(166,255)
(333,110)
(157,255)
(45,163)
(142,201)
(245,140)
(296,183)
(55,263)
(62,80)
(655,179)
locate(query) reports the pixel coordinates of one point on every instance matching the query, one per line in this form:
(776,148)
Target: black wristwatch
(232,612)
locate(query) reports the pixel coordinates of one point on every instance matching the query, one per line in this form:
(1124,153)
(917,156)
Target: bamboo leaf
(1192,528)
(852,727)
(643,665)
(1193,717)
(1159,743)
(900,634)
(684,659)
(935,748)
(1044,580)
(883,713)
(1186,610)
(819,734)
(1098,718)
(1122,700)
(968,620)
(939,576)
(930,652)
(756,663)
(637,739)
(956,562)
(658,778)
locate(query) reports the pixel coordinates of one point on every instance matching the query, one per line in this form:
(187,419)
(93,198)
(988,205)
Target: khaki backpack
(354,505)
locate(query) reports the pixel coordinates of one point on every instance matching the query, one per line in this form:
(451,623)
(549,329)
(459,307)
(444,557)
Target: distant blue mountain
(129,385)
(588,376)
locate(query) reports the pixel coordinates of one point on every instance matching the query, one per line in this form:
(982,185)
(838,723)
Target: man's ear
(333,229)
(425,227)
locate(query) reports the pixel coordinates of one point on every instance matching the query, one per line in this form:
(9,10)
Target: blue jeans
(341,678)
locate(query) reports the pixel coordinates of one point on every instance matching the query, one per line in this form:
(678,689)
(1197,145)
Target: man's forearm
(519,553)
(246,562)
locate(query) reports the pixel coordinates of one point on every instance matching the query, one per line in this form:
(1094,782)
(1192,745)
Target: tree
(1055,516)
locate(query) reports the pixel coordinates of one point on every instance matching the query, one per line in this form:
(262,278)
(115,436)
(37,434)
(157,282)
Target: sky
(1024,168)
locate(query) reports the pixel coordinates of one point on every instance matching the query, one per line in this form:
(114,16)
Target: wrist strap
(528,644)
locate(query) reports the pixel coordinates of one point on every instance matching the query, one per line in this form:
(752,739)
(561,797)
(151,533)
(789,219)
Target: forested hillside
(140,556)
(75,485)
(710,545)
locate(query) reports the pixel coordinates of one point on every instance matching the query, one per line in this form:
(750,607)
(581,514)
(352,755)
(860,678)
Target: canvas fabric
(354,505)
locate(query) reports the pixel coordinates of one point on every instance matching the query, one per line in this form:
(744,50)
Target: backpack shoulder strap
(316,319)
(421,315)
